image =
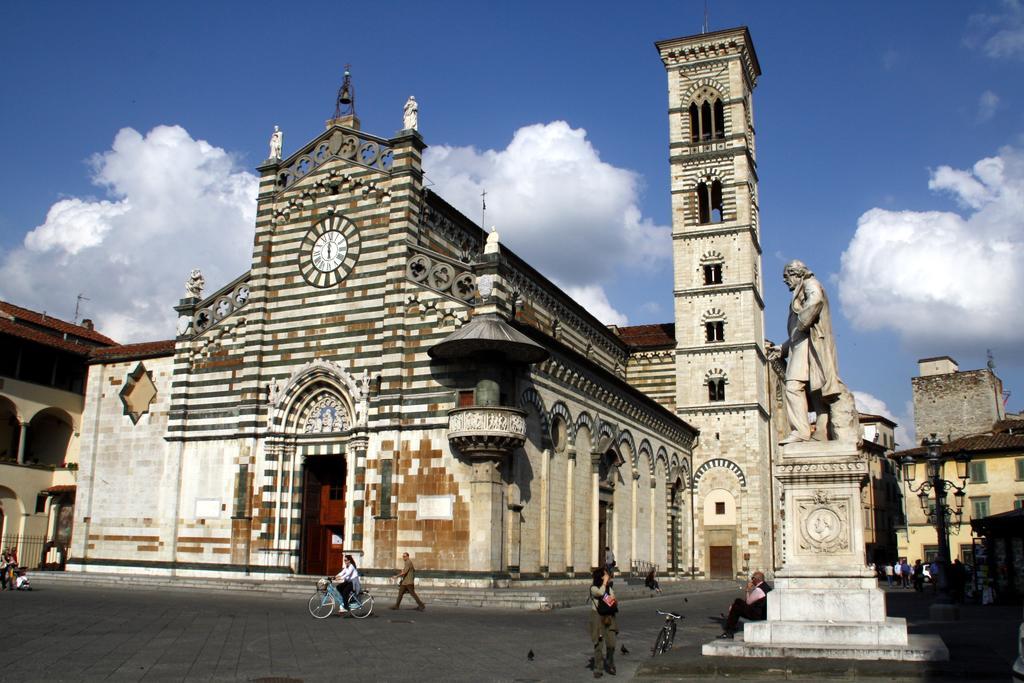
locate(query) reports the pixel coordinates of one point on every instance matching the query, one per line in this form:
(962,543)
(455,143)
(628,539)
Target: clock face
(329,251)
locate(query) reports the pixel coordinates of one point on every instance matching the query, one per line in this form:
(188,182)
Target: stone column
(487,516)
(570,465)
(635,503)
(596,551)
(545,508)
(22,433)
(357,475)
(654,518)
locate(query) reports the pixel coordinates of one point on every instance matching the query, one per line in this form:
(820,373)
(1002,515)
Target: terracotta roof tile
(132,351)
(980,443)
(44,338)
(55,324)
(871,417)
(61,488)
(649,336)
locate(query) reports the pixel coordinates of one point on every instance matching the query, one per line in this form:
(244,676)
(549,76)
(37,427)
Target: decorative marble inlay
(327,415)
(486,429)
(138,393)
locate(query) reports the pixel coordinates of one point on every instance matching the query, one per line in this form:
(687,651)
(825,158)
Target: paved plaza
(67,631)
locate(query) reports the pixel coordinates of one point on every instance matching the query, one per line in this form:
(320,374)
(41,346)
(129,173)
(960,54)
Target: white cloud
(987,105)
(999,35)
(557,204)
(945,281)
(594,299)
(867,403)
(173,203)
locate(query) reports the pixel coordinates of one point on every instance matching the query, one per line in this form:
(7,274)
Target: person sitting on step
(754,607)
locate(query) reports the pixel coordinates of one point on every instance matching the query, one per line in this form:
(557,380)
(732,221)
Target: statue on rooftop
(194,285)
(276,141)
(411,114)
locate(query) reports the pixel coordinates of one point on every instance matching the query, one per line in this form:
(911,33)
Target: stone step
(532,598)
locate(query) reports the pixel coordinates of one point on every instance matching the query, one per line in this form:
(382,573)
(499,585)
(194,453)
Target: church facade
(388,378)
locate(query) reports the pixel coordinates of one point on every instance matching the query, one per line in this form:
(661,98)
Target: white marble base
(919,648)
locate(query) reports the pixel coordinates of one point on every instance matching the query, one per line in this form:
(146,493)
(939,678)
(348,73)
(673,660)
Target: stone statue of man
(411,114)
(276,141)
(812,371)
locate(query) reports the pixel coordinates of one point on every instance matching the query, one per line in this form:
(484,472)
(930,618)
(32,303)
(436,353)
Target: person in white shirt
(348,582)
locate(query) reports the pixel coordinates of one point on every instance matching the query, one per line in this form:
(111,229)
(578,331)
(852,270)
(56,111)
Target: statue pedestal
(825,602)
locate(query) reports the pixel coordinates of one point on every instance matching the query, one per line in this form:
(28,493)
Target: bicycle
(667,634)
(327,597)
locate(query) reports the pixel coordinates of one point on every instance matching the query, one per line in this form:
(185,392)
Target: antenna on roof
(991,359)
(483,208)
(705,29)
(78,303)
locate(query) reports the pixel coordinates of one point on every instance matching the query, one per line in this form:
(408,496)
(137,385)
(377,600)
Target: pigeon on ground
(624,650)
(529,655)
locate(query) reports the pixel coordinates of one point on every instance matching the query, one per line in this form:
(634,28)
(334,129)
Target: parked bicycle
(667,634)
(327,598)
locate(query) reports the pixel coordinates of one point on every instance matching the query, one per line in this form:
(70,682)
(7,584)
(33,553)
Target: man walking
(889,573)
(407,584)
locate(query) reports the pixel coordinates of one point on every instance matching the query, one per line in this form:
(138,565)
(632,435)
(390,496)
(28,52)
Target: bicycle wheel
(671,636)
(361,605)
(663,643)
(321,605)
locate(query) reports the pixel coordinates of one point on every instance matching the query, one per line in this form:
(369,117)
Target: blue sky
(870,116)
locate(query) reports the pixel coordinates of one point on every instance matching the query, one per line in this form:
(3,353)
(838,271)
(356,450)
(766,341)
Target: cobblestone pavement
(74,632)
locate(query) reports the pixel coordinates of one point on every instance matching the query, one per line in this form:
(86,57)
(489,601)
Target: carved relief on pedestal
(824,523)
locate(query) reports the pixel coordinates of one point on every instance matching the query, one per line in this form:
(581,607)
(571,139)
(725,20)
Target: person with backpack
(603,627)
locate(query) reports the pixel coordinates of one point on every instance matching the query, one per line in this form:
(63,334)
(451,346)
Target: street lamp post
(943,515)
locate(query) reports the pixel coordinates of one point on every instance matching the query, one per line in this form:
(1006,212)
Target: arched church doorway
(323,514)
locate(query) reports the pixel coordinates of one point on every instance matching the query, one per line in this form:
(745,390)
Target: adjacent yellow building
(42,387)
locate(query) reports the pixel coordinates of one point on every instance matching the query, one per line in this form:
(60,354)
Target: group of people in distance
(901,573)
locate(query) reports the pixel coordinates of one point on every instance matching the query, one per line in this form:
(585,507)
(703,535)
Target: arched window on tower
(716,389)
(707,118)
(713,273)
(714,331)
(709,202)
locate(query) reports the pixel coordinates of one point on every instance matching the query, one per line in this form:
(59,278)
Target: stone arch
(48,436)
(13,512)
(625,437)
(662,456)
(559,409)
(712,315)
(10,428)
(711,256)
(308,385)
(645,449)
(720,462)
(704,88)
(530,398)
(585,421)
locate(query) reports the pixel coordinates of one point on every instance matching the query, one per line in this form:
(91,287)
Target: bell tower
(721,366)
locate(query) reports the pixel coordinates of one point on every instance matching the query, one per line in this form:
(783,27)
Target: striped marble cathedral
(388,378)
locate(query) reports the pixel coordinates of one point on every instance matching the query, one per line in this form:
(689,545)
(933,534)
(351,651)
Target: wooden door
(720,561)
(602,531)
(323,515)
